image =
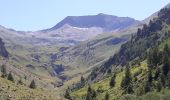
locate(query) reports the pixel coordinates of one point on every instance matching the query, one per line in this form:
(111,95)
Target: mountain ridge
(99,20)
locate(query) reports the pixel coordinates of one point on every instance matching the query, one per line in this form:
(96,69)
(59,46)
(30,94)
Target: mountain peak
(107,22)
(101,14)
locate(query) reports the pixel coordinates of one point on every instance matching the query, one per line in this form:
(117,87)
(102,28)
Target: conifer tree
(127,79)
(153,58)
(157,73)
(167,49)
(126,83)
(82,81)
(147,87)
(3,71)
(32,85)
(91,94)
(10,77)
(149,77)
(67,95)
(166,62)
(112,81)
(159,86)
(168,80)
(106,96)
(162,79)
(166,65)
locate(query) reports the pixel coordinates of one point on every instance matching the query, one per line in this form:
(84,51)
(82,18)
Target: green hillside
(141,67)
(79,62)
(12,91)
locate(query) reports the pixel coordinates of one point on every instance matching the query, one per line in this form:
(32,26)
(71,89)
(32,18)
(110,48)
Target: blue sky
(31,15)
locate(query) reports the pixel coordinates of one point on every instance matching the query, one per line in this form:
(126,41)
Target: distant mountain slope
(106,22)
(89,54)
(70,31)
(75,29)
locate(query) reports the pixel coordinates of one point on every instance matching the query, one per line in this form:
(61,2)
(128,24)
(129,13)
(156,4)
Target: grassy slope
(114,92)
(21,56)
(21,92)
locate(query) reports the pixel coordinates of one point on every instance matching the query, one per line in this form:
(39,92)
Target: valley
(91,57)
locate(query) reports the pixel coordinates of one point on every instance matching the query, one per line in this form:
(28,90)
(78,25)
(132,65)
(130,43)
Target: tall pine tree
(126,83)
(166,64)
(106,97)
(112,81)
(91,94)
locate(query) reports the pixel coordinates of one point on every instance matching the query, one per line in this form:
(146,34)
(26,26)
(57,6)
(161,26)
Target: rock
(3,51)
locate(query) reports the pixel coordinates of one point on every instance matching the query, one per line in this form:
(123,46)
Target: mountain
(106,22)
(140,70)
(55,57)
(98,48)
(81,28)
(70,31)
(71,34)
(37,51)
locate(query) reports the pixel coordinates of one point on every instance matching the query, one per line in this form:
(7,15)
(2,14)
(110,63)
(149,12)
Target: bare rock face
(3,51)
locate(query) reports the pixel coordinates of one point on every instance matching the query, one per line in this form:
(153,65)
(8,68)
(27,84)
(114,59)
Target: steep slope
(136,48)
(17,87)
(147,56)
(89,54)
(10,90)
(92,53)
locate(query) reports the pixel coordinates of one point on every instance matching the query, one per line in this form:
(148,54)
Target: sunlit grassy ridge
(116,91)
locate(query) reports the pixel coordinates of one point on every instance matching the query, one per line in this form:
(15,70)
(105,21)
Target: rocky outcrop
(3,51)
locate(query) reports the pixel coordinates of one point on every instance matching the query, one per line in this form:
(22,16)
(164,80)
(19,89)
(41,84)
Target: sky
(33,15)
